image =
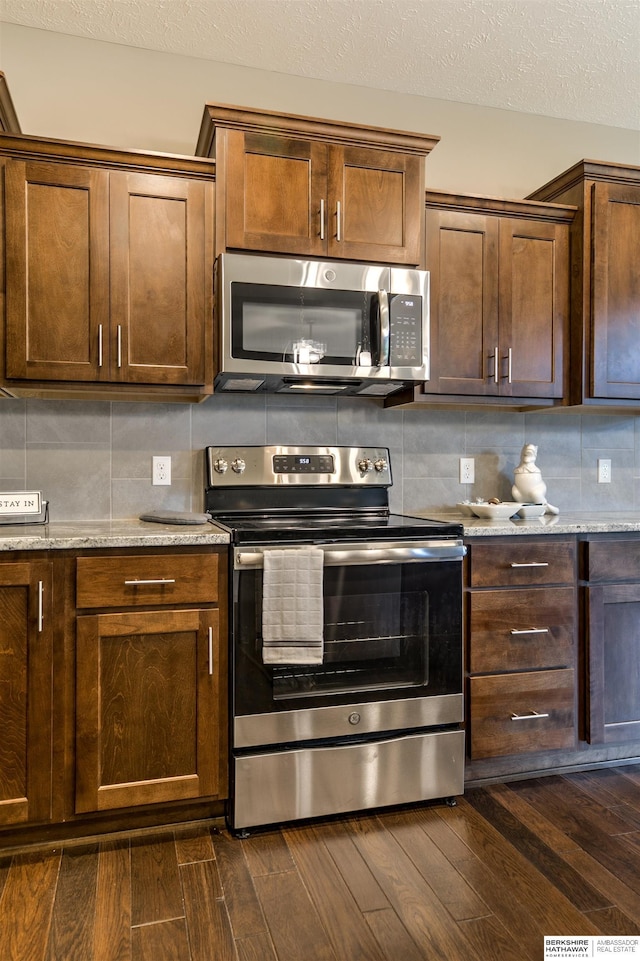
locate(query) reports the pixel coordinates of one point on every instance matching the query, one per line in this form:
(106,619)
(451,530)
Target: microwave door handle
(383,315)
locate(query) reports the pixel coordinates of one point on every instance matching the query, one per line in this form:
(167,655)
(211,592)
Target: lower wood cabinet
(147,708)
(522,664)
(26,666)
(150,685)
(612,599)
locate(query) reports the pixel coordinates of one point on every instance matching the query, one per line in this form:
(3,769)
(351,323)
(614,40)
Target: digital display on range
(303,464)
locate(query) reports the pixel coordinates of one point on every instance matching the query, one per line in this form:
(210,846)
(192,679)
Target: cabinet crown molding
(445,200)
(28,148)
(328,131)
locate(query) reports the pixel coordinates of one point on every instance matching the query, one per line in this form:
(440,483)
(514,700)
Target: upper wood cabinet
(108,275)
(499,297)
(315,188)
(605,293)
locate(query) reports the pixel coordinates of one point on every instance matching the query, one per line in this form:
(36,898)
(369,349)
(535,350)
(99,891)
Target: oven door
(392,652)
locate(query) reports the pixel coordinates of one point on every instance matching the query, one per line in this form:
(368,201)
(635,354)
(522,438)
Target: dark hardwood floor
(486,879)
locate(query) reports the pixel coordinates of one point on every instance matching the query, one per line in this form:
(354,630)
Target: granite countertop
(61,535)
(588,522)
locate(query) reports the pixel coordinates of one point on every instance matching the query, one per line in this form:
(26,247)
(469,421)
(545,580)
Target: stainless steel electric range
(346,636)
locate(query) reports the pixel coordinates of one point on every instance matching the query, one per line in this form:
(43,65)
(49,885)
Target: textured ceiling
(572,59)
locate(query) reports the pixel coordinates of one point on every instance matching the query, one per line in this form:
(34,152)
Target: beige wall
(87,90)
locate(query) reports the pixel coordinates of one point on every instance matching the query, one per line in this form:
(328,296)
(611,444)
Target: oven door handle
(349,555)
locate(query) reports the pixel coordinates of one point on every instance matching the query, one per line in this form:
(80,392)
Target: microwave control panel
(405,325)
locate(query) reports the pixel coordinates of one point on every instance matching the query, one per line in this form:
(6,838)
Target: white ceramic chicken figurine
(529,487)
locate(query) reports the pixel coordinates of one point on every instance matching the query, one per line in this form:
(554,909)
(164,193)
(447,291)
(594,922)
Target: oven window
(387,629)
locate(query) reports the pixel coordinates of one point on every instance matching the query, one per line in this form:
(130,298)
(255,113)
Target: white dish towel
(292,607)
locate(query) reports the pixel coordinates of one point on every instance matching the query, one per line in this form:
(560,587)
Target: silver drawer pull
(530,564)
(210,650)
(531,630)
(528,717)
(153,580)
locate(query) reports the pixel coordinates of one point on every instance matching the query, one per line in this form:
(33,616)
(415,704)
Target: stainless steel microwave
(288,325)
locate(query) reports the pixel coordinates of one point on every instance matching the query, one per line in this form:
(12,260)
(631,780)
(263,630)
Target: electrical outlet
(161,471)
(467,470)
(604,470)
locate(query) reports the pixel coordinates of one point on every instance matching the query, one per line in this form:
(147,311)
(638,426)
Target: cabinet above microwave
(316,188)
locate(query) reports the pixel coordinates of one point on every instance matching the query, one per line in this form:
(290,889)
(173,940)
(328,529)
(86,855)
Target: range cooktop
(319,494)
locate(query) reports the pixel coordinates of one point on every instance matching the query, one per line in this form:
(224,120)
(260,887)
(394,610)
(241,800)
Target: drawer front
(522,713)
(522,562)
(138,580)
(613,561)
(519,630)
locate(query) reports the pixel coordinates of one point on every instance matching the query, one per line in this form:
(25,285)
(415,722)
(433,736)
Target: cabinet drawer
(613,561)
(521,562)
(522,713)
(146,579)
(521,629)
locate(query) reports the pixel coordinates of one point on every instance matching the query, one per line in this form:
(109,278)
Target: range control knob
(381,464)
(365,465)
(220,466)
(238,465)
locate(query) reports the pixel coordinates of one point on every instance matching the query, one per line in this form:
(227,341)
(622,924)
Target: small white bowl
(496,511)
(466,509)
(532,510)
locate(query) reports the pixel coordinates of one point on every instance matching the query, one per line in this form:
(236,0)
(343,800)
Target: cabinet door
(274,189)
(375,204)
(533,307)
(158,279)
(25,692)
(57,275)
(615,292)
(613,690)
(462,256)
(147,708)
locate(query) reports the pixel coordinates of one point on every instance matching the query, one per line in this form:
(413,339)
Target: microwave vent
(242,383)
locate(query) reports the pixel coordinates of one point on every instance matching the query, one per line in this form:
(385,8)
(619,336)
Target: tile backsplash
(92,460)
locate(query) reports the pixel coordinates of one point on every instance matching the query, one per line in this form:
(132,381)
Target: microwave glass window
(268,329)
(301,325)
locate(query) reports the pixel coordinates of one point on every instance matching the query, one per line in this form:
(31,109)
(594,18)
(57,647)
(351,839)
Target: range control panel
(277,465)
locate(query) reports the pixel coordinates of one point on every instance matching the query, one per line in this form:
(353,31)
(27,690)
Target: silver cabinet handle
(151,580)
(210,650)
(322,220)
(528,717)
(119,343)
(532,630)
(496,363)
(338,221)
(99,345)
(531,564)
(40,607)
(509,359)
